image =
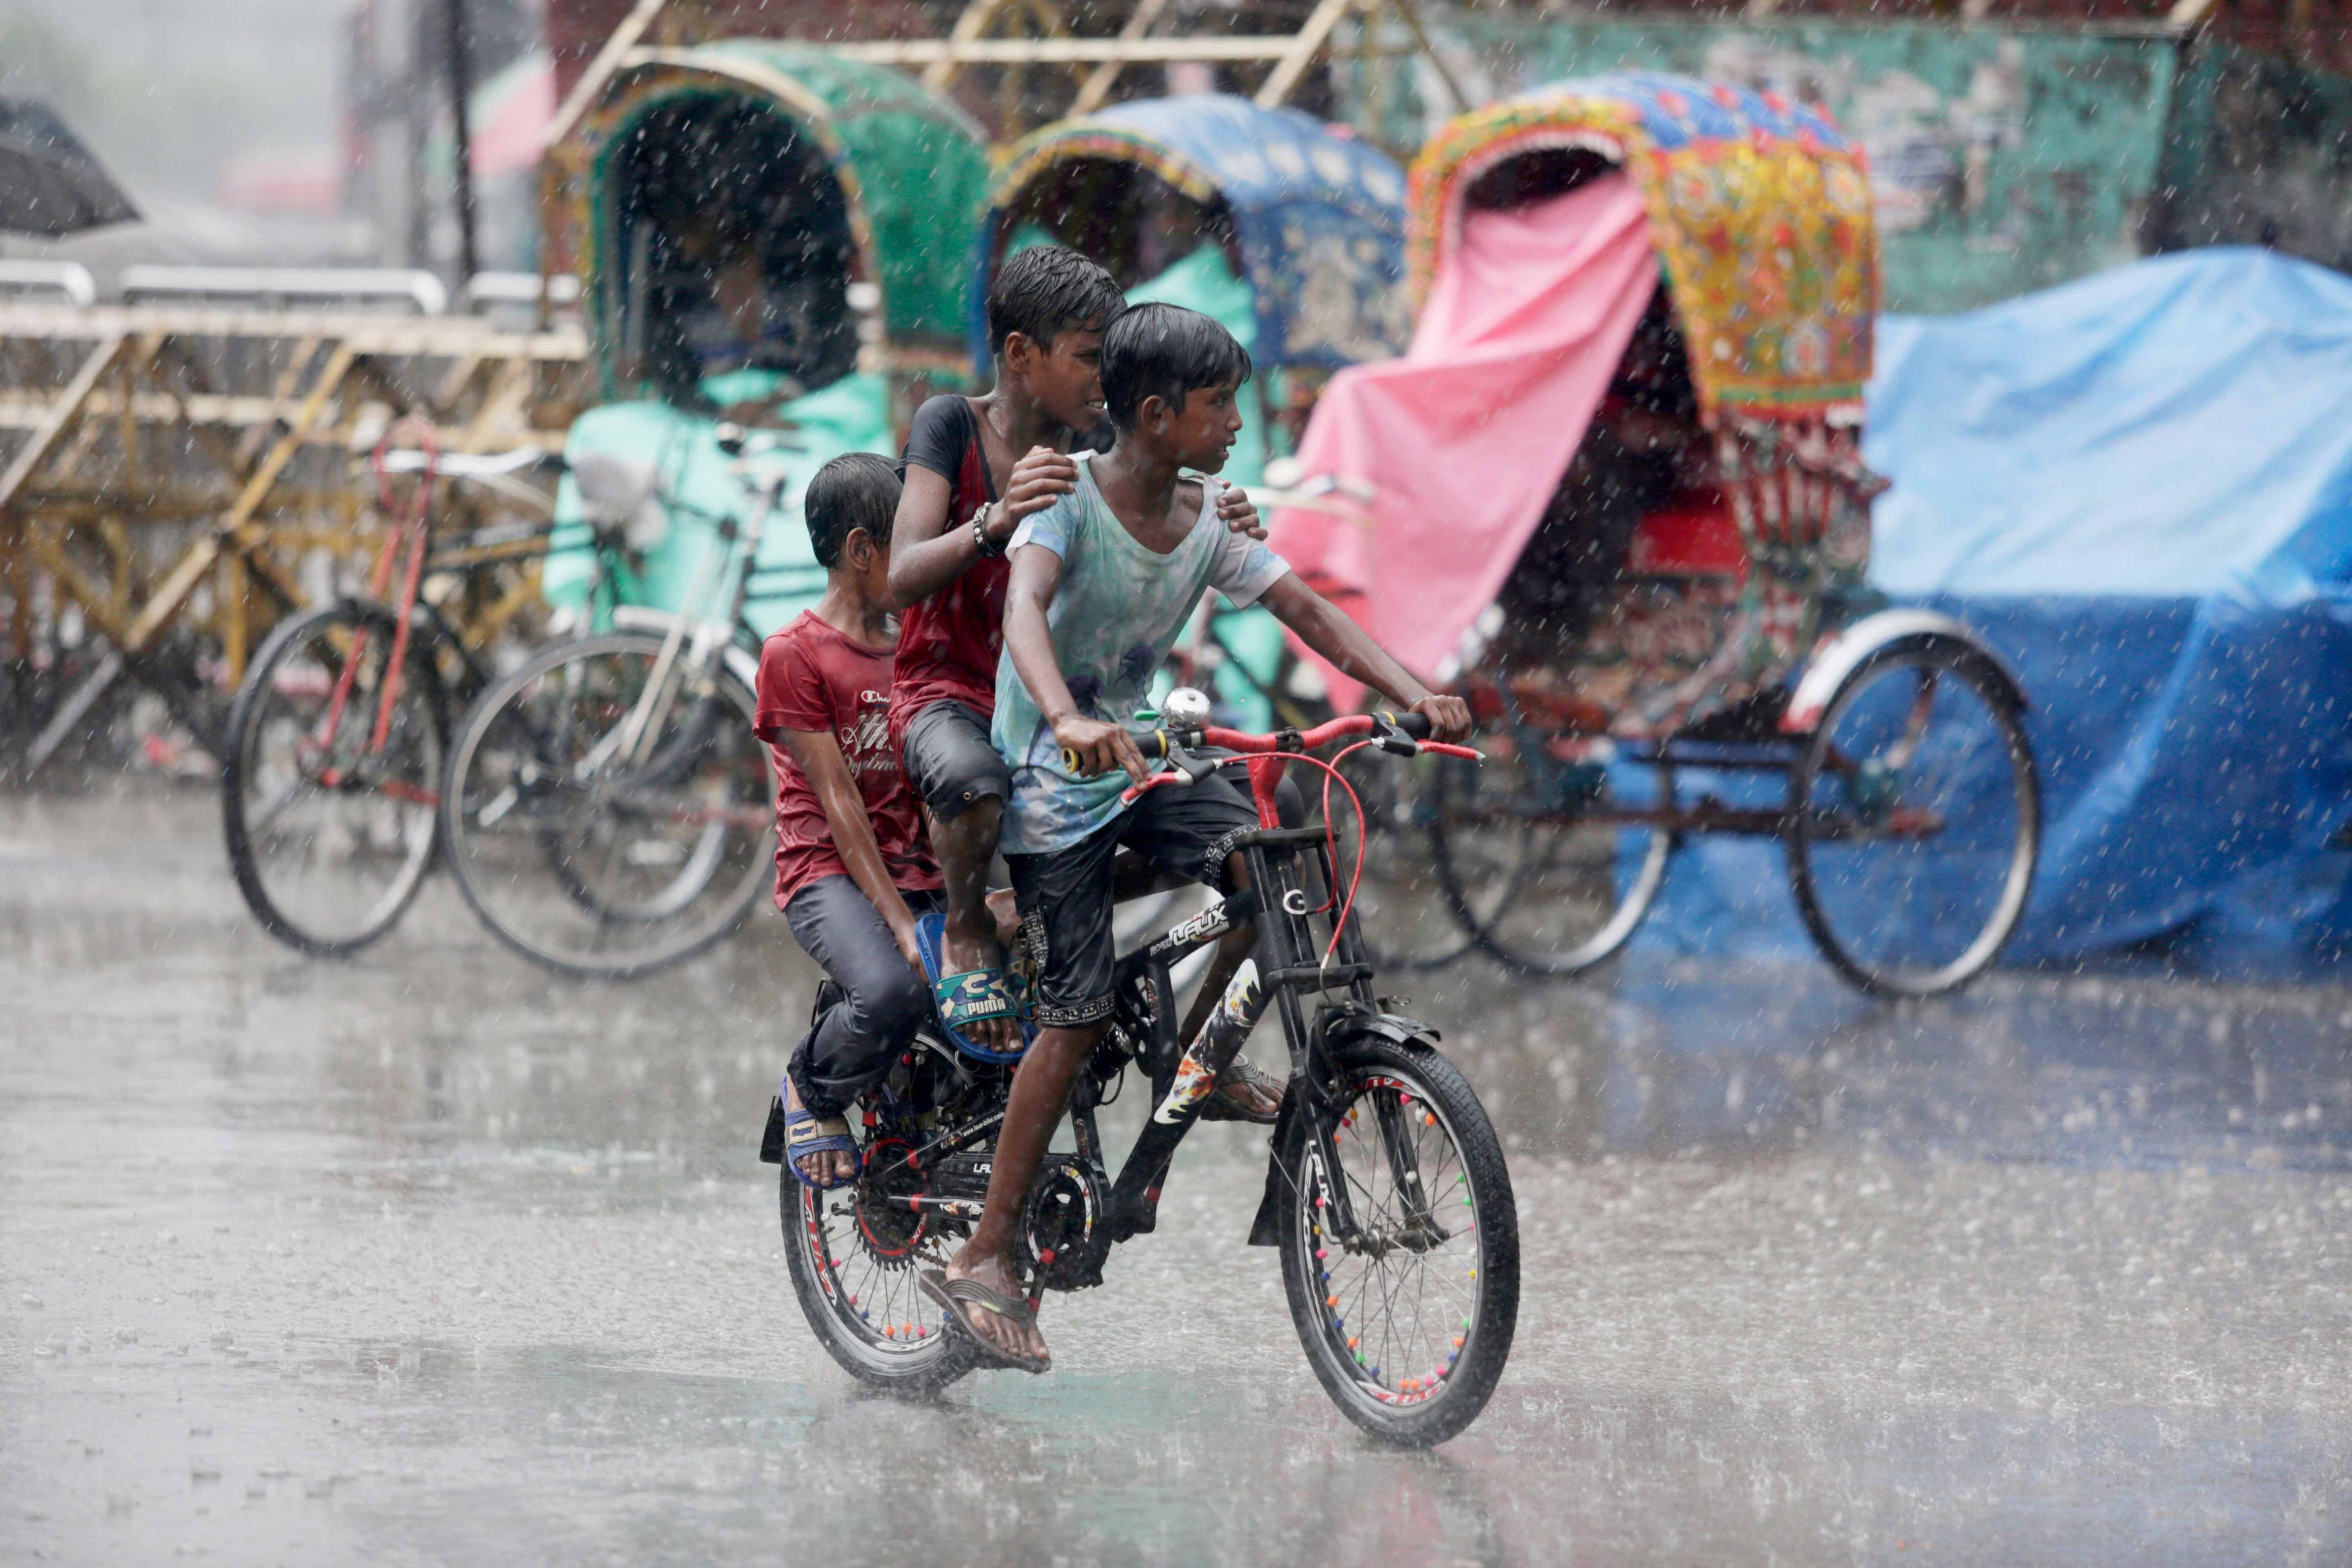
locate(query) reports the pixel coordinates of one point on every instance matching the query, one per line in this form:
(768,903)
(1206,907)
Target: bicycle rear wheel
(1407,1323)
(1915,821)
(603,828)
(330,835)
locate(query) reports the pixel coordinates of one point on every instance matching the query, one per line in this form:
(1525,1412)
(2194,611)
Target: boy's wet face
(1066,379)
(1202,429)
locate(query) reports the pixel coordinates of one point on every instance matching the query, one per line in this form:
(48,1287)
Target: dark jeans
(848,1049)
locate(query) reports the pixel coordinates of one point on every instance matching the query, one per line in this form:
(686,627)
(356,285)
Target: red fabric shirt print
(816,678)
(949,644)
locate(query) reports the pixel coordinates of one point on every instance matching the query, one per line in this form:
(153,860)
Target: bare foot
(1006,913)
(961,950)
(996,1273)
(830,1165)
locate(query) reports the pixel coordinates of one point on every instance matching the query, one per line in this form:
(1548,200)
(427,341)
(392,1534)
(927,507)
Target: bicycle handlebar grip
(1150,740)
(1412,726)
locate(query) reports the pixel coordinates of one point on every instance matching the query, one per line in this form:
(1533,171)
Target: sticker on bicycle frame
(1209,923)
(1220,1039)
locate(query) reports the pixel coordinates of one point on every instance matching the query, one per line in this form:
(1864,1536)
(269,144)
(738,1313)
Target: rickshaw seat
(1693,535)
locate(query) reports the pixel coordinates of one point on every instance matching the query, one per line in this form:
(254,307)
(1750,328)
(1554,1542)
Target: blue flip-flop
(971,996)
(802,1138)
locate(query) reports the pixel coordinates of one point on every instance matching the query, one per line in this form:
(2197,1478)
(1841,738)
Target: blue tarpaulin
(2138,489)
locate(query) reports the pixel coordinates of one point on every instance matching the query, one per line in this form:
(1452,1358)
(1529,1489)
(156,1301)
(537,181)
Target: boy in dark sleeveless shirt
(974,469)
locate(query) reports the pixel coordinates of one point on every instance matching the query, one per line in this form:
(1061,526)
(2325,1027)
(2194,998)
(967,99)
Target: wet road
(429,1258)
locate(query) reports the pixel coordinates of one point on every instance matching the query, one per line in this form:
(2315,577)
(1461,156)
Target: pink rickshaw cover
(1465,438)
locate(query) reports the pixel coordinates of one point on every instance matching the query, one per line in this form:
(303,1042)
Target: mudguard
(1830,668)
(1332,1027)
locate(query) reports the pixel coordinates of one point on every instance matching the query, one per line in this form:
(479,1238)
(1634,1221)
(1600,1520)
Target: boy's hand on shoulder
(1040,479)
(1098,748)
(1239,513)
(1449,717)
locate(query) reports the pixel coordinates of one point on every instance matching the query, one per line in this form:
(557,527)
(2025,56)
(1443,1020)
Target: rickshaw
(1289,232)
(770,235)
(1614,495)
(775,248)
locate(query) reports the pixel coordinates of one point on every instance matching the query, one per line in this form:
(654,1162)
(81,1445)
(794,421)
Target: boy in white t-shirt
(1102,582)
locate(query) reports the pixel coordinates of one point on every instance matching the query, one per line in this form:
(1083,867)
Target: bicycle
(608,809)
(1386,1192)
(332,762)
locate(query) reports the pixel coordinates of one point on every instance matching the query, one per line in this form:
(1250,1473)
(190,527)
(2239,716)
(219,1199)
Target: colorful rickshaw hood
(1319,216)
(1760,209)
(912,167)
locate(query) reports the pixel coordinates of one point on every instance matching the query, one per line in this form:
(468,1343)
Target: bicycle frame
(411,536)
(411,531)
(1284,973)
(733,546)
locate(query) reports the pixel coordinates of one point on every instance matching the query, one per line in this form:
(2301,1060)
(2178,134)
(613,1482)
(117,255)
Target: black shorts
(951,762)
(1066,894)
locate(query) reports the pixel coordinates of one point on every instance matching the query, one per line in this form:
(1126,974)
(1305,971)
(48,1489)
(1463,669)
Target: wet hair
(1166,351)
(1046,290)
(856,489)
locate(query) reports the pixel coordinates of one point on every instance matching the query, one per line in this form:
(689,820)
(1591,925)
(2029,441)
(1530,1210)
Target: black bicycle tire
(1992,689)
(1471,1383)
(578,891)
(244,714)
(460,752)
(956,1357)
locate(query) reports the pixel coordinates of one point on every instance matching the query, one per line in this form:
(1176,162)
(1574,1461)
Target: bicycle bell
(1186,708)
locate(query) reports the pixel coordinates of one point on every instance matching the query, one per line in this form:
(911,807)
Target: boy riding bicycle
(975,468)
(1103,579)
(852,868)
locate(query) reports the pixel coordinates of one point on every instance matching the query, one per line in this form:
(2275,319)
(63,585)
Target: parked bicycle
(608,809)
(1386,1194)
(332,762)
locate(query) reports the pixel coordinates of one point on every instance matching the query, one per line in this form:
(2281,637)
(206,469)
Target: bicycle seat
(617,494)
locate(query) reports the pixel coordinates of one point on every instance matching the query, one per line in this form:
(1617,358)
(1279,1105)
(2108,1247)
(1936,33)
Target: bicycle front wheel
(607,815)
(327,787)
(1407,1308)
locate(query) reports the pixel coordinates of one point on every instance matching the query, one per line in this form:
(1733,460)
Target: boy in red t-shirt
(851,866)
(974,468)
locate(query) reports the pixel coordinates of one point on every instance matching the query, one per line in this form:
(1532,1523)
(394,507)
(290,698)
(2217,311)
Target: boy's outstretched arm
(1330,632)
(1099,747)
(929,550)
(819,757)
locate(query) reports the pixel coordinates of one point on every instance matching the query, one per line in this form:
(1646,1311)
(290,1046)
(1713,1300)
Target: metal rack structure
(167,468)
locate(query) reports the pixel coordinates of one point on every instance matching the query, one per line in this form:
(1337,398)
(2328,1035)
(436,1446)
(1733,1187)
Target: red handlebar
(1413,725)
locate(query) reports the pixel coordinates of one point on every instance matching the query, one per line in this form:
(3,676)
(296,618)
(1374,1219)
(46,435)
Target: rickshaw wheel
(1531,861)
(1401,910)
(1914,820)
